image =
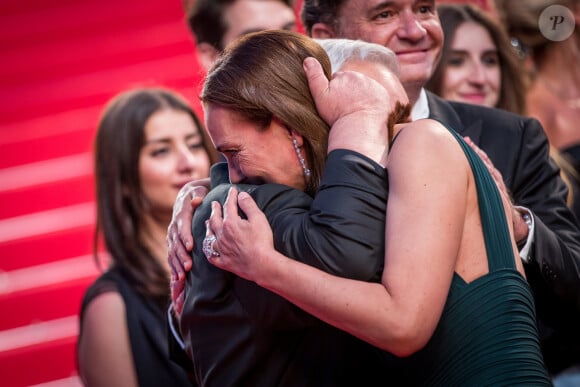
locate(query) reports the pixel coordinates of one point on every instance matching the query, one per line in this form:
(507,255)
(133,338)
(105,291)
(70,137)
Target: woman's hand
(180,238)
(244,245)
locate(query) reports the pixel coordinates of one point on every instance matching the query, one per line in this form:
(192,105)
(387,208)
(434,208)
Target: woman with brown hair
(423,307)
(263,119)
(479,65)
(149,143)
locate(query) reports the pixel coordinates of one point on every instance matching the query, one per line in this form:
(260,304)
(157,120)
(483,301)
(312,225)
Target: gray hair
(341,51)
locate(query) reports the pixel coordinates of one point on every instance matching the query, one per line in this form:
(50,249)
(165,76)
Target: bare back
(434,227)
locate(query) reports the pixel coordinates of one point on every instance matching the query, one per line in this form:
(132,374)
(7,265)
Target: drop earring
(300,158)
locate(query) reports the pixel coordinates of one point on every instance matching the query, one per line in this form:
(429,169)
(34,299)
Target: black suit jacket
(238,333)
(519,149)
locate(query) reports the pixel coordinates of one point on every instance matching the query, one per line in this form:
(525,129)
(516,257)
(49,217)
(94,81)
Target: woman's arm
(426,211)
(104,350)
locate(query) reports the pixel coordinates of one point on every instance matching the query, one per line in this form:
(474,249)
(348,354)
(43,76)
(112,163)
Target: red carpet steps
(61,62)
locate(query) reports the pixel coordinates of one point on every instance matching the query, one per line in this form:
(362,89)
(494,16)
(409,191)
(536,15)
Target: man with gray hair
(271,325)
(343,50)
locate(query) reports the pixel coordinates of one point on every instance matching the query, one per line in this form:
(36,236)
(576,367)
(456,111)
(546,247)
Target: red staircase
(62,60)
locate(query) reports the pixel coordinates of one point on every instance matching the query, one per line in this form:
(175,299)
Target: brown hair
(512,95)
(120,203)
(260,76)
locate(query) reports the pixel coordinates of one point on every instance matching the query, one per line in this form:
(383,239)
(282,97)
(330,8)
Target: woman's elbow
(406,339)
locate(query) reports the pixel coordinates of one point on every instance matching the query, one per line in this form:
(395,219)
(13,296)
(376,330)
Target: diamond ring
(208,247)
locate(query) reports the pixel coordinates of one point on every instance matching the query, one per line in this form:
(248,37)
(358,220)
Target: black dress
(147,325)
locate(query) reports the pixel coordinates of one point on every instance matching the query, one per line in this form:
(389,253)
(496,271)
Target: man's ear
(206,55)
(322,31)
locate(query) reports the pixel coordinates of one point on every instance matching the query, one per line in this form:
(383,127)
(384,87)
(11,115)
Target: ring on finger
(208,249)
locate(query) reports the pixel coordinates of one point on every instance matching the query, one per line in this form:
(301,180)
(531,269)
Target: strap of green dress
(494,223)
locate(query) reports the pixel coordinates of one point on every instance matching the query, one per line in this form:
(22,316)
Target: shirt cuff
(529,218)
(174,331)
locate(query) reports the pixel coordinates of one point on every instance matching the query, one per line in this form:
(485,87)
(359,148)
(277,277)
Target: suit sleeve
(554,268)
(341,232)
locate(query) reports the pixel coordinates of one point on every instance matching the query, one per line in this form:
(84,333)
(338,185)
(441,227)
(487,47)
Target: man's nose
(410,27)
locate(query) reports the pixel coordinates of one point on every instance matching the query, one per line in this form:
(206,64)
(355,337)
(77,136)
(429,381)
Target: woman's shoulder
(426,135)
(104,335)
(107,284)
(103,313)
(105,305)
(430,125)
(427,143)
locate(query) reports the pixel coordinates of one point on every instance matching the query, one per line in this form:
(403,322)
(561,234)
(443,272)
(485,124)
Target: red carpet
(62,60)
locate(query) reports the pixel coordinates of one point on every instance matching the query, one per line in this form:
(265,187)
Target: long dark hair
(120,203)
(512,95)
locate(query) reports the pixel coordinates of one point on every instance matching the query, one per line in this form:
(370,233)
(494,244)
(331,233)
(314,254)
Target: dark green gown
(487,335)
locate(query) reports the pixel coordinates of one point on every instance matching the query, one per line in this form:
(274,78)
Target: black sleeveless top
(148,331)
(487,335)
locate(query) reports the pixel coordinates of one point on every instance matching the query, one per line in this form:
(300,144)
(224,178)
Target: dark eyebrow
(391,3)
(163,140)
(384,4)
